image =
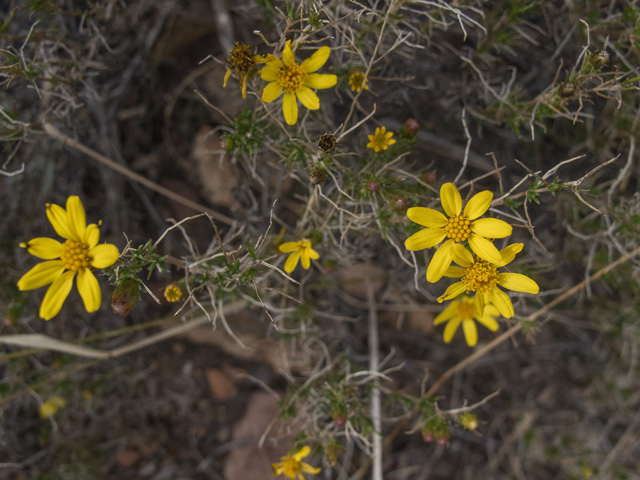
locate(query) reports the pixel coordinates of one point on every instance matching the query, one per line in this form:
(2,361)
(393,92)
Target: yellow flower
(483,278)
(80,252)
(457,228)
(380,140)
(301,249)
(172,293)
(296,80)
(242,62)
(464,311)
(51,406)
(292,467)
(357,81)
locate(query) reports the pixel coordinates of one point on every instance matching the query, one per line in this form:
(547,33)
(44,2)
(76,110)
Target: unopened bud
(124,297)
(469,421)
(410,128)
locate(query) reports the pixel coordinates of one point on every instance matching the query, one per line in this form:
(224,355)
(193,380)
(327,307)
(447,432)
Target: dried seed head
(327,142)
(567,89)
(317,174)
(241,58)
(599,59)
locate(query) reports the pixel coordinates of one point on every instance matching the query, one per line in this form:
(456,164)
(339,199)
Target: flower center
(466,310)
(291,467)
(241,58)
(458,228)
(380,140)
(74,255)
(480,277)
(357,80)
(292,77)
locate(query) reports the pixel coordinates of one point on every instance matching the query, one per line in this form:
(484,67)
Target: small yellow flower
(464,311)
(296,80)
(292,467)
(357,81)
(172,293)
(242,62)
(51,406)
(380,140)
(482,277)
(299,250)
(459,227)
(80,252)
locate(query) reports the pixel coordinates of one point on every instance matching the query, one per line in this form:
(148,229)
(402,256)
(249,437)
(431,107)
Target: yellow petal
(491,228)
(292,262)
(304,256)
(42,274)
(226,78)
(290,108)
(103,256)
(321,80)
(484,249)
(450,329)
(89,290)
(427,217)
(91,235)
(470,332)
(439,262)
(317,60)
(287,54)
(450,199)
(480,303)
(289,247)
(478,204)
(461,255)
(518,283)
(303,452)
(313,254)
(449,312)
(455,272)
(426,238)
(502,302)
(77,217)
(308,98)
(453,291)
(487,319)
(271,92)
(56,295)
(243,85)
(508,253)
(271,71)
(306,468)
(45,248)
(59,220)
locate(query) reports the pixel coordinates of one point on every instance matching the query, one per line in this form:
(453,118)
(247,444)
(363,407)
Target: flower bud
(469,421)
(124,297)
(410,128)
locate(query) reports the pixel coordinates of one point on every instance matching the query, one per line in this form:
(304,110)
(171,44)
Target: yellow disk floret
(481,277)
(458,228)
(74,255)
